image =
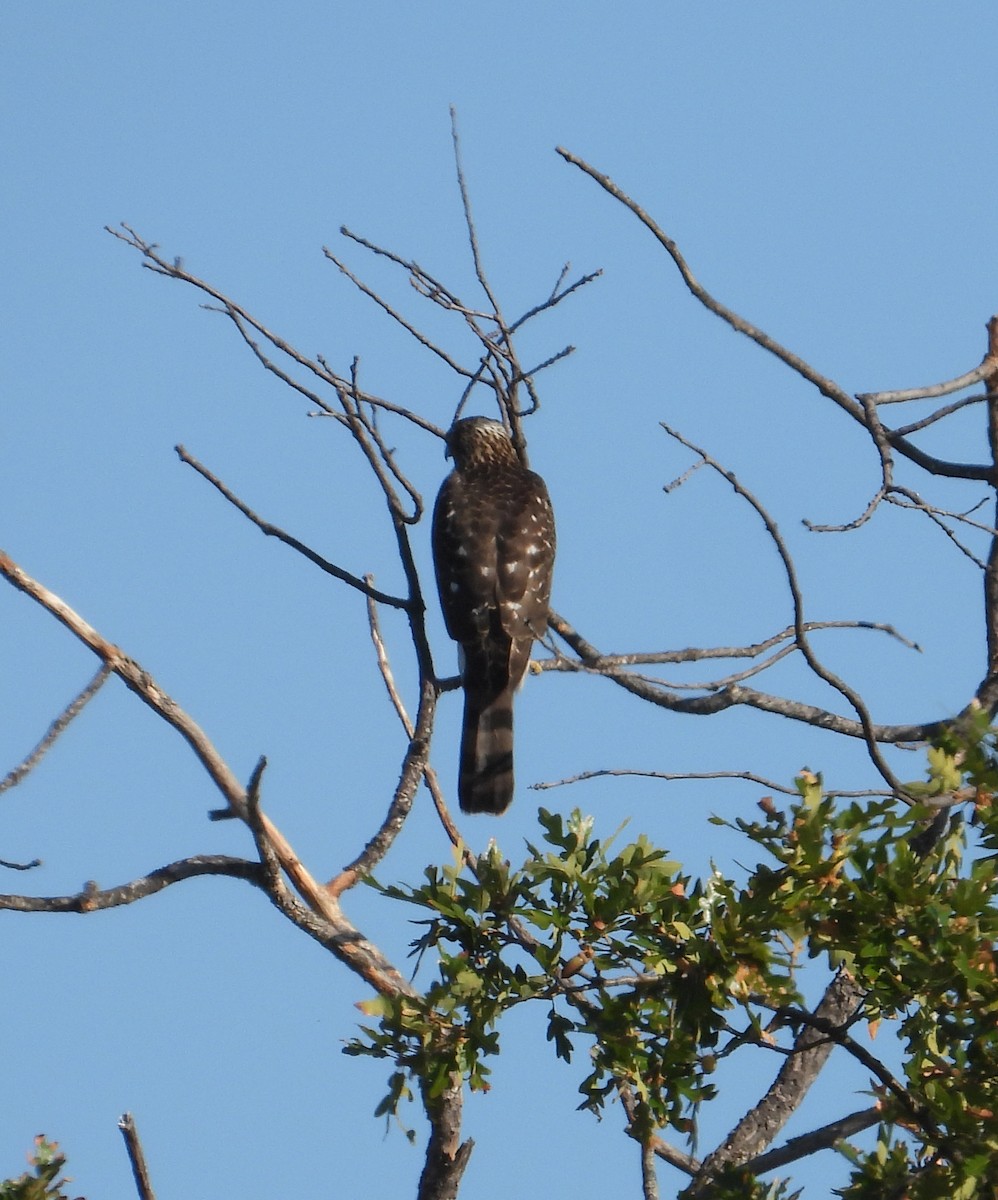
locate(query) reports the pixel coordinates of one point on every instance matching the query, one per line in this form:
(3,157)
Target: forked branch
(333,929)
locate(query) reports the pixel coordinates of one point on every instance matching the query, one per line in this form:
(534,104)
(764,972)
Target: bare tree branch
(556,297)
(947,410)
(429,774)
(274,531)
(801,638)
(988,691)
(16,866)
(94,899)
(966,380)
(698,776)
(761,1124)
(476,253)
(679,1159)
(175,270)
(72,709)
(334,930)
(136,1157)
(818,1139)
(407,325)
(446,1155)
(649,1179)
(592,661)
(703,653)
(667,776)
(902,495)
(827,387)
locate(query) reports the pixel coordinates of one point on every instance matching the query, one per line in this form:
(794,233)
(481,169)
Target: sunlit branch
(968,379)
(429,773)
(330,927)
(414,767)
(649,1180)
(836,1031)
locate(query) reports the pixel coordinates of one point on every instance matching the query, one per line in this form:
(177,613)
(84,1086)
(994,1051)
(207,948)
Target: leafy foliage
(660,976)
(43,1182)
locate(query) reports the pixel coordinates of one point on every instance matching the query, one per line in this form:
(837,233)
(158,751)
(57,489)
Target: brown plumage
(493,549)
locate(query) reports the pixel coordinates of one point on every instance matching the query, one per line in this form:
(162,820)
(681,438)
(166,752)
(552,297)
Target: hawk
(493,550)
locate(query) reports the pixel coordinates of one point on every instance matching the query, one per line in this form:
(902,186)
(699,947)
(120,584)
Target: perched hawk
(493,549)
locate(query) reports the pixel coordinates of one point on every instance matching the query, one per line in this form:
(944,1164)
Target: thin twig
(275,531)
(827,387)
(704,653)
(236,317)
(476,253)
(407,325)
(174,270)
(429,773)
(17,866)
(696,777)
(947,410)
(556,297)
(414,766)
(94,899)
(880,440)
(936,516)
(368,415)
(58,726)
(790,574)
(548,362)
(592,661)
(429,287)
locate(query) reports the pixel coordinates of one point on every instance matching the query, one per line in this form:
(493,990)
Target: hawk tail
(485,776)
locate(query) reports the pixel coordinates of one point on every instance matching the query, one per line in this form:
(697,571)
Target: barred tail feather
(485,777)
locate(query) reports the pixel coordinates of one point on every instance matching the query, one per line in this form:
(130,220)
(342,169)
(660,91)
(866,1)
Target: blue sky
(828,172)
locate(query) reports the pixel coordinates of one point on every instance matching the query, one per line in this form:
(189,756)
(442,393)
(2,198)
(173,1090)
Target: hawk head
(479,442)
